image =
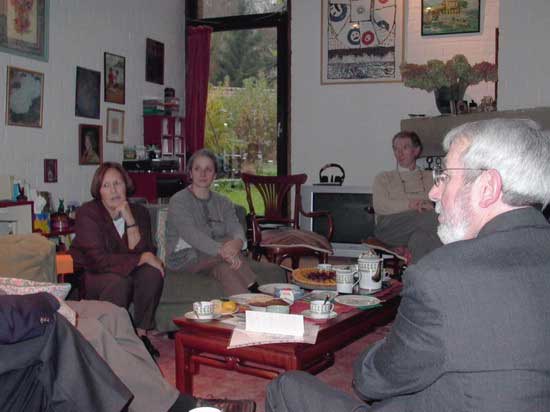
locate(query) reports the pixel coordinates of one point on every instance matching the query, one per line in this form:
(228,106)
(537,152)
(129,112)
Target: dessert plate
(270,288)
(246,298)
(357,301)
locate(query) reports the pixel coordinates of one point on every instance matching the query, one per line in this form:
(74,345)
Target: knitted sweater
(393,190)
(198,226)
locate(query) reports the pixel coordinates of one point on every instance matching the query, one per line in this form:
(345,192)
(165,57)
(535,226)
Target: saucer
(193,316)
(309,314)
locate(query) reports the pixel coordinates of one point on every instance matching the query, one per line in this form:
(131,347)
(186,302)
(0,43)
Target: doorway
(247,110)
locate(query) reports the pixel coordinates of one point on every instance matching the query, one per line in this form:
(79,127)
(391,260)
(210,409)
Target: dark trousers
(142,287)
(301,392)
(58,371)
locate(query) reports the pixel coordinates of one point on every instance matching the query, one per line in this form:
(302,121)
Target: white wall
(524,58)
(353,124)
(80,32)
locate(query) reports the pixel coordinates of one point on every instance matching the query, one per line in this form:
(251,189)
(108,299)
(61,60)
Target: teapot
(369,265)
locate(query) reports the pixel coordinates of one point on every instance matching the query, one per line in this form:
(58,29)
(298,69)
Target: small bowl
(278,309)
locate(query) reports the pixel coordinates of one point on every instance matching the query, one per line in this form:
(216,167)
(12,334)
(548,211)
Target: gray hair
(516,148)
(201,153)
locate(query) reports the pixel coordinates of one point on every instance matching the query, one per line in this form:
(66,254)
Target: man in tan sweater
(404,214)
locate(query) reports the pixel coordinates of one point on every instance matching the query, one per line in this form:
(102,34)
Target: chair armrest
(322,213)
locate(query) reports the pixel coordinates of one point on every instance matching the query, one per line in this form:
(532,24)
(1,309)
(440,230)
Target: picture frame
(115,126)
(50,170)
(361,41)
(24,30)
(90,144)
(24,97)
(88,83)
(440,17)
(154,61)
(114,78)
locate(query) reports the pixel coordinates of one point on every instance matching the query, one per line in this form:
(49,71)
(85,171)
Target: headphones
(336,180)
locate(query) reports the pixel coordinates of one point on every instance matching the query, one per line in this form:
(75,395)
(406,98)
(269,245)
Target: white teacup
(320,308)
(205,409)
(370,269)
(345,278)
(204,309)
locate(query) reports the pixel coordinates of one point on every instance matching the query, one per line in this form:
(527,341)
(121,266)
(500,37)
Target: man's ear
(490,188)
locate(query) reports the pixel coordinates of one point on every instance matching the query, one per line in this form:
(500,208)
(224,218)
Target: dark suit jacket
(97,246)
(472,332)
(26,316)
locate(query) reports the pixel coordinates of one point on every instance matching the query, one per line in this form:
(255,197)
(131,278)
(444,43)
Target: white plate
(270,288)
(245,298)
(357,301)
(193,316)
(309,314)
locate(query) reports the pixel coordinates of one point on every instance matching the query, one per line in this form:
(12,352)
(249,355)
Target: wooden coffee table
(206,343)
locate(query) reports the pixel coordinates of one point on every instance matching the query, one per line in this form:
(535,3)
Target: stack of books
(153,106)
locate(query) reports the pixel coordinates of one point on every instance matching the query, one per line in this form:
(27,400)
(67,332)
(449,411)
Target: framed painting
(50,170)
(24,28)
(362,41)
(114,73)
(154,62)
(450,17)
(88,83)
(24,97)
(115,126)
(90,147)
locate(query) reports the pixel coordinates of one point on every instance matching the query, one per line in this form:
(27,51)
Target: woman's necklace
(405,186)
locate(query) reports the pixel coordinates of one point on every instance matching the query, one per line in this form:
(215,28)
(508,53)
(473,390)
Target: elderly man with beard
(472,329)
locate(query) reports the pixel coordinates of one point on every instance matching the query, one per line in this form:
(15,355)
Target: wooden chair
(276,235)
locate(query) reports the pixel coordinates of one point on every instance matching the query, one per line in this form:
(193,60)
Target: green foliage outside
(234,190)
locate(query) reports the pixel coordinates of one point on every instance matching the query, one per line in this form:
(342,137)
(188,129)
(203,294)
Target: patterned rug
(218,383)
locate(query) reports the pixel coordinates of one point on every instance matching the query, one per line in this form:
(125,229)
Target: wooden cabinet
(168,134)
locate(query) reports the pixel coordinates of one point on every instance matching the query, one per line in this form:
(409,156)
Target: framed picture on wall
(50,170)
(154,61)
(88,83)
(450,17)
(362,41)
(115,126)
(24,28)
(24,97)
(114,73)
(90,147)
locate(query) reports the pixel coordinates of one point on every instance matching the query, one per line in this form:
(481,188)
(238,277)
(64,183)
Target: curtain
(196,84)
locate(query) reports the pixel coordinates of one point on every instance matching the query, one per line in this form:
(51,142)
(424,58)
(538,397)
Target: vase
(444,96)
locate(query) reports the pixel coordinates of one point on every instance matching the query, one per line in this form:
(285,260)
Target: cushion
(28,256)
(293,238)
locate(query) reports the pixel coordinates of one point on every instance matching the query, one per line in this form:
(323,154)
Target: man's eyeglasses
(441,176)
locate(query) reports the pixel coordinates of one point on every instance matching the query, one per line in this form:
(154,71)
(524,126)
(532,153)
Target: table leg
(184,368)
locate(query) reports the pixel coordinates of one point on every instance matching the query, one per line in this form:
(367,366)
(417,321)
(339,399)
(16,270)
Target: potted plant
(448,80)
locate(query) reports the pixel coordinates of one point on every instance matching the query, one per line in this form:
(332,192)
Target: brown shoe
(229,405)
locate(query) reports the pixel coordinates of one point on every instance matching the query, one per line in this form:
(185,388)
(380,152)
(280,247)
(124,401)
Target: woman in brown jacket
(113,247)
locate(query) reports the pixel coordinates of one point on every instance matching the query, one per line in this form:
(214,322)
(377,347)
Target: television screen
(352,221)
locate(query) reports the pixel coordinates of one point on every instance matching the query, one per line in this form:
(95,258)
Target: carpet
(218,383)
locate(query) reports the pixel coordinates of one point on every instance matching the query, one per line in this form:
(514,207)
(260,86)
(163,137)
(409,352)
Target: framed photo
(24,97)
(115,126)
(24,28)
(90,147)
(50,170)
(114,78)
(88,91)
(450,17)
(154,62)
(362,41)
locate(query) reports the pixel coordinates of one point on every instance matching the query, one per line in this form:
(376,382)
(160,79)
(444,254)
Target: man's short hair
(407,134)
(516,148)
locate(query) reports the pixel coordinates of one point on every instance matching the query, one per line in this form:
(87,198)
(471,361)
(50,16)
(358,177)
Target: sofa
(29,256)
(182,288)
